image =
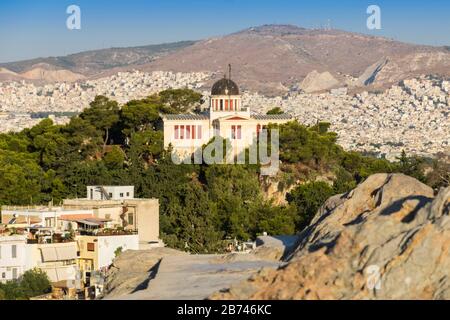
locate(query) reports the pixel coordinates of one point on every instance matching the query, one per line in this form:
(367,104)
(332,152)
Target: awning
(49,254)
(67,252)
(52,275)
(89,223)
(60,273)
(59,253)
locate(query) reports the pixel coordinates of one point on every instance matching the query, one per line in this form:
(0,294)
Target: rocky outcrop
(316,81)
(387,239)
(48,73)
(132,270)
(370,74)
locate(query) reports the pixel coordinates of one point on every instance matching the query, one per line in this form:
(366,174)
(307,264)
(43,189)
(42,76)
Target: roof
(75,217)
(185,117)
(283,116)
(24,220)
(225,87)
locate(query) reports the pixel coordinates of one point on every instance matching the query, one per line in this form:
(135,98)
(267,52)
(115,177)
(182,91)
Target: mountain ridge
(268,58)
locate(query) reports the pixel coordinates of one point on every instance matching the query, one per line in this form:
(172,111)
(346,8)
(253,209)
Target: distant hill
(274,57)
(269,59)
(92,62)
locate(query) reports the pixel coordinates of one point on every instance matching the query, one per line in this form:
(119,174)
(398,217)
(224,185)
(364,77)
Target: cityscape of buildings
(400,118)
(74,244)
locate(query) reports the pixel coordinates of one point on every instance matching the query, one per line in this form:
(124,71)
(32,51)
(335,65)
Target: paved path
(195,277)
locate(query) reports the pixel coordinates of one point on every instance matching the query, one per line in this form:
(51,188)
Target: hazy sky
(30,28)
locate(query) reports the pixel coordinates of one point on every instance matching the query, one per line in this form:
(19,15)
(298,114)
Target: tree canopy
(200,205)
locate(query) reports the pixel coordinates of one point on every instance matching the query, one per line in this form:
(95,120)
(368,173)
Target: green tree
(114,159)
(274,111)
(32,283)
(103,114)
(308,198)
(180,100)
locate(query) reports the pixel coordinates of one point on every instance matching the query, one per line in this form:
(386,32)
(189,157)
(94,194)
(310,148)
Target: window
(121,195)
(177,132)
(231,105)
(92,194)
(193,133)
(181,132)
(110,195)
(130,218)
(14,273)
(199,132)
(3,275)
(91,247)
(188,132)
(14,251)
(236,132)
(226,105)
(128,194)
(221,104)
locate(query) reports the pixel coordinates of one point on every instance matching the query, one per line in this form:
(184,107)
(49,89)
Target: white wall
(7,262)
(116,192)
(108,245)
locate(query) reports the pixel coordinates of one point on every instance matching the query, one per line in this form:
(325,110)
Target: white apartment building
(47,217)
(110,192)
(12,257)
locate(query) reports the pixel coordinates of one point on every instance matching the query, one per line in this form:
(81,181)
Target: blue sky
(30,28)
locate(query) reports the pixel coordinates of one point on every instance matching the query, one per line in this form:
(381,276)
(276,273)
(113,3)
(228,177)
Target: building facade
(12,257)
(110,192)
(226,117)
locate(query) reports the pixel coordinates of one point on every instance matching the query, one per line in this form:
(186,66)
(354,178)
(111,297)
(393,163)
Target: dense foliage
(33,283)
(201,205)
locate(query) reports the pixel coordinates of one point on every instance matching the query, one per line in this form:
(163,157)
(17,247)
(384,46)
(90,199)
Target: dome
(225,87)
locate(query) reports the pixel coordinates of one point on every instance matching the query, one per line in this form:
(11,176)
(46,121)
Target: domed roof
(225,87)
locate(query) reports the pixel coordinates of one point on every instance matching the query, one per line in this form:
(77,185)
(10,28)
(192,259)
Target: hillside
(270,59)
(386,239)
(95,61)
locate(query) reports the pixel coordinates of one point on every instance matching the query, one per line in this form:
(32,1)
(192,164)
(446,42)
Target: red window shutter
(181,132)
(193,132)
(226,105)
(177,132)
(231,105)
(233,132)
(199,132)
(239,132)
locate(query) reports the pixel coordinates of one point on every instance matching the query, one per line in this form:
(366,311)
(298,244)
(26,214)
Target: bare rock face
(133,269)
(387,239)
(316,81)
(370,74)
(49,73)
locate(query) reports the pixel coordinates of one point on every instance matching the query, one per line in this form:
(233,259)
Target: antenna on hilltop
(229,71)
